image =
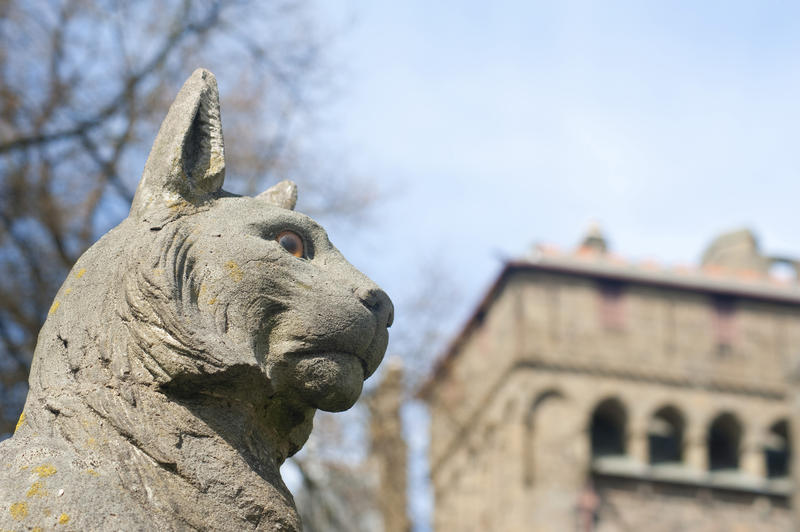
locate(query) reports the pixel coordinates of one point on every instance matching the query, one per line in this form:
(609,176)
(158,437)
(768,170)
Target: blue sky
(493,125)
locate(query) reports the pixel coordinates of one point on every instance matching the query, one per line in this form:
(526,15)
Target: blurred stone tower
(388,448)
(589,394)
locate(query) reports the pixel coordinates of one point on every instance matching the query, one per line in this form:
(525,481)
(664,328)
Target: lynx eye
(291,242)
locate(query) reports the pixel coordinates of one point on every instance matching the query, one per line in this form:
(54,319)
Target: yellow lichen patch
(37,529)
(63,519)
(20,422)
(234,271)
(37,490)
(93,472)
(19,510)
(54,307)
(80,273)
(45,470)
(177,205)
(216,163)
(67,291)
(91,442)
(212,301)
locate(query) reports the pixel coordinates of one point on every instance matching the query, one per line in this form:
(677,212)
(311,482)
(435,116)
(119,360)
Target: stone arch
(608,428)
(777,450)
(538,402)
(724,442)
(665,435)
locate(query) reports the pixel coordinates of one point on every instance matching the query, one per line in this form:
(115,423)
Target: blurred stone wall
(514,400)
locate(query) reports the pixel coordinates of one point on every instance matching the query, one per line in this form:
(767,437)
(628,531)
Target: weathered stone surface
(186,353)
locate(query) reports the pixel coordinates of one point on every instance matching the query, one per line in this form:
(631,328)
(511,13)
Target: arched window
(777,450)
(608,429)
(724,436)
(544,399)
(665,436)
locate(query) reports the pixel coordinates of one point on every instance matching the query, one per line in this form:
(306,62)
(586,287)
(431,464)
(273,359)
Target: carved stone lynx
(186,353)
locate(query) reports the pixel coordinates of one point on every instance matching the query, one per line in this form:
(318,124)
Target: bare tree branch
(83,87)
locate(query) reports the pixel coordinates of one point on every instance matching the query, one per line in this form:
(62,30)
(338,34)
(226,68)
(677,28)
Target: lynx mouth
(335,354)
(364,365)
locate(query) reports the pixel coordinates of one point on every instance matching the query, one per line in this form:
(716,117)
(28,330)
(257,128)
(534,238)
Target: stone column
(638,442)
(388,448)
(696,449)
(752,455)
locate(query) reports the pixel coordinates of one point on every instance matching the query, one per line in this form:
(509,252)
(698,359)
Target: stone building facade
(589,394)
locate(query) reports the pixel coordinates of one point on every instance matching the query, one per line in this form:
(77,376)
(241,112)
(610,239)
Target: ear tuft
(282,194)
(187,161)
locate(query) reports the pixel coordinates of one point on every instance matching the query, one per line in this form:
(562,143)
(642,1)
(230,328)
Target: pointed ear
(187,161)
(283,194)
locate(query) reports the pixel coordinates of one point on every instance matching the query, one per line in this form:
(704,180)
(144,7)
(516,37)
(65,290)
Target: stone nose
(378,302)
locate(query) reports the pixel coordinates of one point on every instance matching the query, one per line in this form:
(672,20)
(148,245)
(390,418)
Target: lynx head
(229,288)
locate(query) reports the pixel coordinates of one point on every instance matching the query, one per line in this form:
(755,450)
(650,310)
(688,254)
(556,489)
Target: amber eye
(291,242)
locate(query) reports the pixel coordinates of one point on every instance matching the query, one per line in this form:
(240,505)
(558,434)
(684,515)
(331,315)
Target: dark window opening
(724,324)
(612,308)
(724,436)
(777,450)
(608,429)
(665,436)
